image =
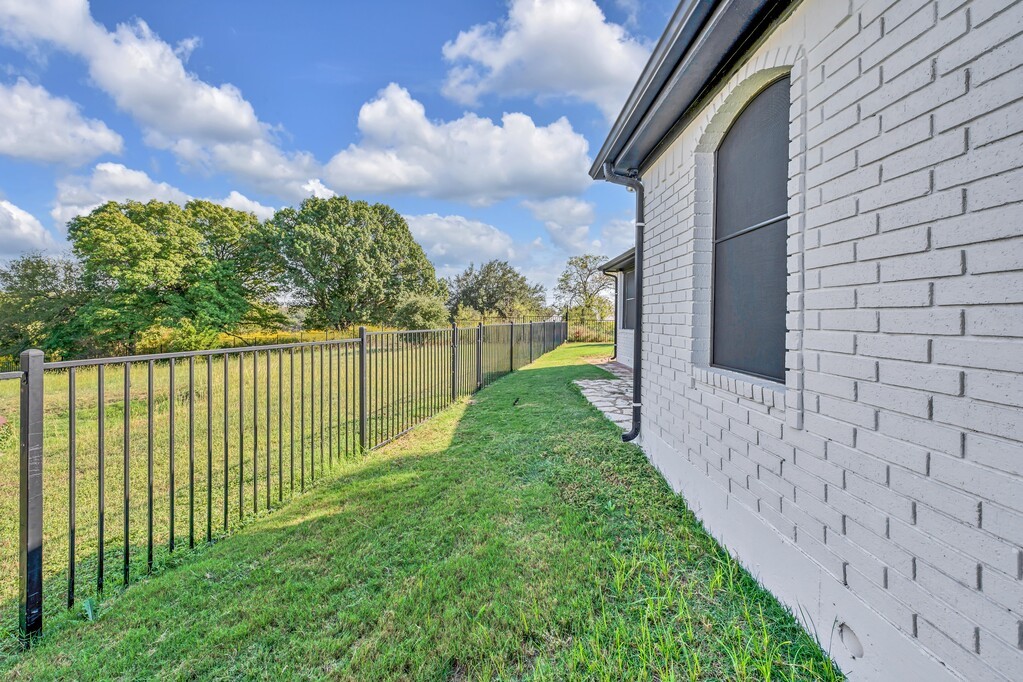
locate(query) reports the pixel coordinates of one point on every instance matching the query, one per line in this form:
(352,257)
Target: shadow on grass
(512,536)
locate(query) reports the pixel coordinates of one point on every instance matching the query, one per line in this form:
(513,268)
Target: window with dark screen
(750,215)
(629,299)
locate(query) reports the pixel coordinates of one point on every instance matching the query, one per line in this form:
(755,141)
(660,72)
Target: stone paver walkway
(613,397)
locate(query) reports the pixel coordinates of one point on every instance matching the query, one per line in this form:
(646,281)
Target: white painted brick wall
(882,485)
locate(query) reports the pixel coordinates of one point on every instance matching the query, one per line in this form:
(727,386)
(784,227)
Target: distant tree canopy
(583,289)
(494,289)
(348,261)
(202,266)
(157,274)
(39,297)
(421,311)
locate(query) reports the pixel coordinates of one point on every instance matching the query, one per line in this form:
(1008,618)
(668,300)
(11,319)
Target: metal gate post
(362,388)
(479,357)
(530,341)
(30,574)
(511,347)
(454,361)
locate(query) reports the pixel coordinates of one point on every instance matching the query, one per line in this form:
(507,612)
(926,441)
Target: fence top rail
(11,375)
(405,332)
(124,359)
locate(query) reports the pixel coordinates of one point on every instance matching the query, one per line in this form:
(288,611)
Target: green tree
(497,289)
(39,297)
(202,267)
(583,289)
(349,261)
(421,311)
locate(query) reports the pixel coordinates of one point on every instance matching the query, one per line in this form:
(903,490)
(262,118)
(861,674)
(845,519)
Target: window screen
(750,214)
(629,299)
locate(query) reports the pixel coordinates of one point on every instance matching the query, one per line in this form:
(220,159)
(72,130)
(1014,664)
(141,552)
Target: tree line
(191,273)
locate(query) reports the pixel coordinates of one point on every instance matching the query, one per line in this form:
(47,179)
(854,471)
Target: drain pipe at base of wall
(633,182)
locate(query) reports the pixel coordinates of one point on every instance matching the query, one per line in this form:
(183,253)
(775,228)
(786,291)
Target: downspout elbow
(633,182)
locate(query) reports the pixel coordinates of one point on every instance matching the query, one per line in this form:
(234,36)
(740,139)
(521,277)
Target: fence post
(479,357)
(30,611)
(530,341)
(362,388)
(511,346)
(454,361)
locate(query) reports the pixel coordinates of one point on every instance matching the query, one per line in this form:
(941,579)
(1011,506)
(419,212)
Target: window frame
(628,301)
(715,240)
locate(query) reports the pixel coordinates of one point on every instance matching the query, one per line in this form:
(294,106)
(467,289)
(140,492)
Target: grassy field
(512,537)
(276,446)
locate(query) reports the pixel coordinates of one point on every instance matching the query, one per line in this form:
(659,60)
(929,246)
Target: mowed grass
(512,537)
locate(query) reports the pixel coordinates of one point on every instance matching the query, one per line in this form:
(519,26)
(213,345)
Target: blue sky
(476,120)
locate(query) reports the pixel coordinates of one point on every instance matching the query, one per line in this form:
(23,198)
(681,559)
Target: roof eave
(699,44)
(620,262)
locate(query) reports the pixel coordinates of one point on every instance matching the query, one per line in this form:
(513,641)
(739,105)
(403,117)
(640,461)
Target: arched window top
(752,163)
(750,215)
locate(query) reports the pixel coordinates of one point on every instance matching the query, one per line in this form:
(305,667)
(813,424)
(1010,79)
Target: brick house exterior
(878,489)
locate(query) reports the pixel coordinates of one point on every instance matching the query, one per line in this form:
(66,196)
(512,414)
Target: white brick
(922,377)
(894,347)
(901,295)
(910,240)
(922,266)
(848,366)
(927,434)
(922,321)
(983,226)
(891,450)
(830,255)
(1001,256)
(999,355)
(896,399)
(1003,287)
(977,416)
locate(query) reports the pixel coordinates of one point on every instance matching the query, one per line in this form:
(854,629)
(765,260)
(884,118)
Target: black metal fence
(191,444)
(590,330)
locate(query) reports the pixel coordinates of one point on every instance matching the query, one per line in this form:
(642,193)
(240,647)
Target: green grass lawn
(513,536)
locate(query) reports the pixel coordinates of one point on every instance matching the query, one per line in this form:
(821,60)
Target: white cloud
(37,126)
(470,159)
(78,194)
(567,220)
(547,49)
(317,189)
(21,232)
(204,124)
(240,202)
(453,241)
(618,235)
(631,9)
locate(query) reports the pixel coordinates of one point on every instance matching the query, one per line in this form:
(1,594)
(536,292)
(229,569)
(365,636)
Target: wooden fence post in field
(30,612)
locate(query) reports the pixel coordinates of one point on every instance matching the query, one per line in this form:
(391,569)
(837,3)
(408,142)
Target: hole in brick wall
(850,640)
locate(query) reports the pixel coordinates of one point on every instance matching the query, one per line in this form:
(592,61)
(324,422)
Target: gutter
(632,181)
(703,42)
